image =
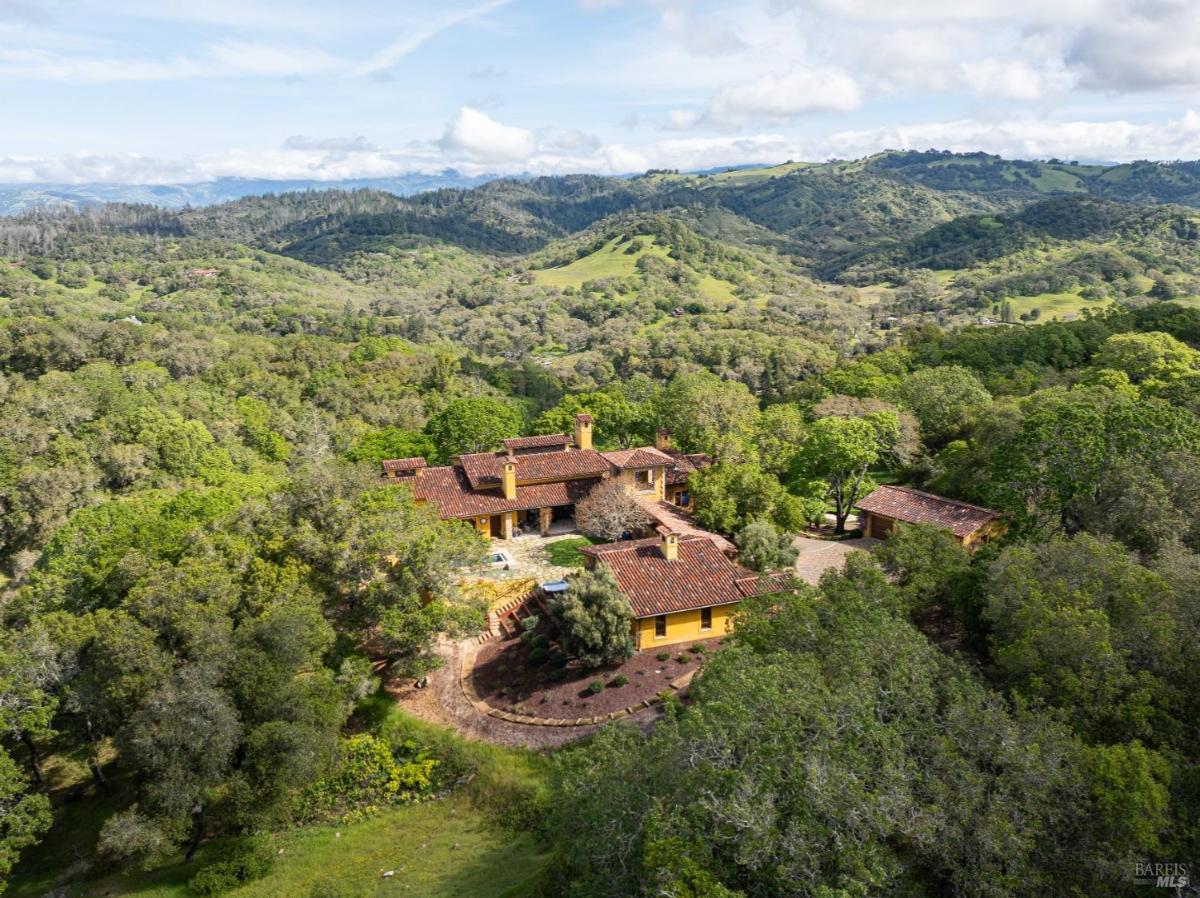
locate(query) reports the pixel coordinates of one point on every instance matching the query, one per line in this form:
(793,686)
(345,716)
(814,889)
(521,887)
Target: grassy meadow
(473,843)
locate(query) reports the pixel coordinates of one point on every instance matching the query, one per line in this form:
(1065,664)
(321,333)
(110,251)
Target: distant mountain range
(18,198)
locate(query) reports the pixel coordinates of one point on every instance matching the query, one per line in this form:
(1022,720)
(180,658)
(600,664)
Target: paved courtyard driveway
(820,555)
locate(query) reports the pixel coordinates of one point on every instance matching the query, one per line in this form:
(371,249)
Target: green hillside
(618,258)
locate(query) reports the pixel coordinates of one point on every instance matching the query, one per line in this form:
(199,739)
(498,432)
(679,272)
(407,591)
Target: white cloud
(257,58)
(398,49)
(577,140)
(1013,79)
(702,35)
(1143,45)
(475,144)
(356,144)
(218,60)
(478,137)
(784,97)
(1033,138)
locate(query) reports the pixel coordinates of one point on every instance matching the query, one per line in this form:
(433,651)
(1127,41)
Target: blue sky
(171,91)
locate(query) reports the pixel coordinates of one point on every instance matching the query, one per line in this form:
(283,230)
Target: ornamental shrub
(241,863)
(367,776)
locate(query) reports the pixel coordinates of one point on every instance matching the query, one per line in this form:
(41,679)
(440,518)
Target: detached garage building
(888,506)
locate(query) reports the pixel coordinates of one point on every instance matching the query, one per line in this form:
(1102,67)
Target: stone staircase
(505,620)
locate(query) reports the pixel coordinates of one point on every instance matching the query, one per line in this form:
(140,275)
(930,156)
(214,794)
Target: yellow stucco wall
(683,626)
(992,530)
(672,496)
(627,480)
(483,524)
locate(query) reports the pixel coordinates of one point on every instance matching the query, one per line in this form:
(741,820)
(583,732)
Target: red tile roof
(676,520)
(540,441)
(644,457)
(903,503)
(399,465)
(449,489)
(685,464)
(700,577)
(486,468)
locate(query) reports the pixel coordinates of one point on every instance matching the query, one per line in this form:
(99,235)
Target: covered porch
(555,520)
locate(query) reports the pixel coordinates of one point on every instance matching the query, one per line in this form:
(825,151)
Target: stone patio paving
(529,556)
(820,555)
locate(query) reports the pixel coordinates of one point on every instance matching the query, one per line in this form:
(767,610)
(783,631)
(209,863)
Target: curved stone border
(468,688)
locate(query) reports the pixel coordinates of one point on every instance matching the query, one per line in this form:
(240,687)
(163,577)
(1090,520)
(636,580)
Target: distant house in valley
(681,588)
(889,506)
(536,481)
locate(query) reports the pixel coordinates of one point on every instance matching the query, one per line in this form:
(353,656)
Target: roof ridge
(936,497)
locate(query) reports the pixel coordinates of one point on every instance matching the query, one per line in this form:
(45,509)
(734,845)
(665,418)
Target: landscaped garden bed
(528,674)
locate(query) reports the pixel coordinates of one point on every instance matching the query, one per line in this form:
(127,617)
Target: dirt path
(443,702)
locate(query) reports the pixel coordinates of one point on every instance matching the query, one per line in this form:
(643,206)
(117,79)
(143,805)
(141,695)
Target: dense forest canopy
(203,581)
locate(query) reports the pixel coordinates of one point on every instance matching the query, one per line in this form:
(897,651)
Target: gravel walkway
(819,555)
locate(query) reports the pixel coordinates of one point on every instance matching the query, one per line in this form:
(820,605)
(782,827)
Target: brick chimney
(583,431)
(662,439)
(670,545)
(510,480)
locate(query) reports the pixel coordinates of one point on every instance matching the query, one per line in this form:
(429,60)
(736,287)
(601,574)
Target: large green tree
(474,424)
(839,453)
(594,618)
(24,816)
(946,400)
(837,752)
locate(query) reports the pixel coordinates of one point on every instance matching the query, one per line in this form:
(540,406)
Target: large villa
(535,481)
(682,581)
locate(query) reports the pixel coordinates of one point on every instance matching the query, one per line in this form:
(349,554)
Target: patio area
(533,557)
(820,555)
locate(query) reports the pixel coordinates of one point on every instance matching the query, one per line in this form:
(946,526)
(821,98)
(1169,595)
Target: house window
(705,618)
(660,627)
(644,480)
(683,499)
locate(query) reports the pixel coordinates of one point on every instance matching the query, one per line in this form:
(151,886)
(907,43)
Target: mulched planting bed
(529,676)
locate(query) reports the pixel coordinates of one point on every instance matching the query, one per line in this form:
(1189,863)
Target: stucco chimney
(670,546)
(583,431)
(510,480)
(662,439)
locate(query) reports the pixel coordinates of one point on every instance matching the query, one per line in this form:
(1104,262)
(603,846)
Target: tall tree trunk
(197,833)
(94,757)
(35,761)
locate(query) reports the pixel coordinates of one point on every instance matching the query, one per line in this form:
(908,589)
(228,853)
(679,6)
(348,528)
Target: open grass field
(439,849)
(610,261)
(874,294)
(1056,306)
(717,289)
(747,175)
(453,847)
(613,260)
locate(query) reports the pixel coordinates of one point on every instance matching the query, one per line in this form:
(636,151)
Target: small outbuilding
(888,506)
